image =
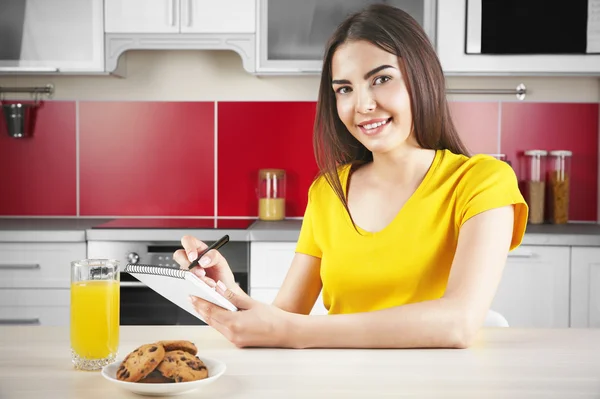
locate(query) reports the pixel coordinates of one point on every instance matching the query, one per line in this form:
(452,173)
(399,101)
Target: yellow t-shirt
(409,260)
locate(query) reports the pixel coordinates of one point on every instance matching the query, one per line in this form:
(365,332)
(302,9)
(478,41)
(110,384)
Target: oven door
(141,305)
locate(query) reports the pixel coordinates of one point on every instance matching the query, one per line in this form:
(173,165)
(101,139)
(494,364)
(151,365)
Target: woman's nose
(365,102)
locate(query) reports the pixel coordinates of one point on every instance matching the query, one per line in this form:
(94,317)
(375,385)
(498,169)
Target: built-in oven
(141,305)
(535,27)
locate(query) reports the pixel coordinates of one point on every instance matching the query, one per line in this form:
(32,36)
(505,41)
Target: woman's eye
(381,79)
(343,90)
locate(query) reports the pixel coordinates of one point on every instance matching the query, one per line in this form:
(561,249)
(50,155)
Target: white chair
(494,319)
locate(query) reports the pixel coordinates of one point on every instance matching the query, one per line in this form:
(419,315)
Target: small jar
(559,185)
(535,186)
(271,194)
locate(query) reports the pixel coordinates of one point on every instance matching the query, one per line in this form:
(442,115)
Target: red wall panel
(256,135)
(38,173)
(147,158)
(557,126)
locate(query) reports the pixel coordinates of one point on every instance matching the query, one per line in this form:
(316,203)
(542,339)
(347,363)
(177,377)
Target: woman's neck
(403,166)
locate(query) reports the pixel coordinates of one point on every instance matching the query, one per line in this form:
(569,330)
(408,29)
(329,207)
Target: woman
(406,235)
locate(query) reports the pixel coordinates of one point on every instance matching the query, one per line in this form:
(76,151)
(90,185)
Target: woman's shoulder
(321,188)
(476,168)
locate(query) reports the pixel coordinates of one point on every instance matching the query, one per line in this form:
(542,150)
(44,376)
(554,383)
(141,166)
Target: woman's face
(371,96)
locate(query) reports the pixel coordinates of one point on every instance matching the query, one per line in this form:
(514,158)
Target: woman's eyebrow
(366,76)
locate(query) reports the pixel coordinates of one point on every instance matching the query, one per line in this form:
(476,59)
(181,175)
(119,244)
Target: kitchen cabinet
(35,281)
(534,290)
(180,16)
(38,265)
(269,264)
(35,307)
(180,25)
(291,34)
(451,45)
(53,36)
(585,284)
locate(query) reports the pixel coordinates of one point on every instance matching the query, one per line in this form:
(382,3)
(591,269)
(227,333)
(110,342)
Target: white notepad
(177,285)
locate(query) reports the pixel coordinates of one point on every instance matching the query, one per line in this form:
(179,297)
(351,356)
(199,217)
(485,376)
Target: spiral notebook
(177,285)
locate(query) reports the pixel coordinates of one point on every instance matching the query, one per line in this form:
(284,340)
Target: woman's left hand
(255,324)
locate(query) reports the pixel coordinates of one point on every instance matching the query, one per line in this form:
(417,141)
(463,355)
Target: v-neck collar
(344,179)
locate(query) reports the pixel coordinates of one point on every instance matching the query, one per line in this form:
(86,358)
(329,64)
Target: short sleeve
(490,184)
(306,242)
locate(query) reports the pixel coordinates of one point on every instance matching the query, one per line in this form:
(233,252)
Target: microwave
(532,27)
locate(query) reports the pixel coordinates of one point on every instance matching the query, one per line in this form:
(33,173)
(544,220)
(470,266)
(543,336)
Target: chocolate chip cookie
(141,362)
(183,345)
(155,377)
(182,367)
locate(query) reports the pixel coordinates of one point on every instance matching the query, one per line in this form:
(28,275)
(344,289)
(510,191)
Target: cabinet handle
(28,69)
(132,284)
(172,12)
(8,266)
(524,254)
(189,12)
(13,322)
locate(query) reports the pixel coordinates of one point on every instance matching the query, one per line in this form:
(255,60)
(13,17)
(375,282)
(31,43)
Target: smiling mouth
(374,128)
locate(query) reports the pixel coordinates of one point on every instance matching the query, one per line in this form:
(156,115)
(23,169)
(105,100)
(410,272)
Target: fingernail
(211,283)
(199,272)
(192,256)
(221,285)
(204,261)
(191,299)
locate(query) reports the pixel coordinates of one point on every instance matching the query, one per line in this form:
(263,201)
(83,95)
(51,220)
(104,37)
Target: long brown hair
(396,32)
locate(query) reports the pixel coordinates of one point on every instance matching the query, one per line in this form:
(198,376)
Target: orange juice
(95,318)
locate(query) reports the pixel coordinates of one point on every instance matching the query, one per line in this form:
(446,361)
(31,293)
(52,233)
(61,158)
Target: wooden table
(504,363)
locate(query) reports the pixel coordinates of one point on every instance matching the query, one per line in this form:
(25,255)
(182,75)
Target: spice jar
(559,184)
(535,186)
(271,194)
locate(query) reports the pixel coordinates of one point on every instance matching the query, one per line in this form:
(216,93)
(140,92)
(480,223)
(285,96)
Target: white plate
(215,370)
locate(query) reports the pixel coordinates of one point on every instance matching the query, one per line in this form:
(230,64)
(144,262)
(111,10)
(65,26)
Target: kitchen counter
(45,229)
(70,230)
(503,363)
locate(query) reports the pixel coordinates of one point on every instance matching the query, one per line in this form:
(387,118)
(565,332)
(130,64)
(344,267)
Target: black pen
(216,245)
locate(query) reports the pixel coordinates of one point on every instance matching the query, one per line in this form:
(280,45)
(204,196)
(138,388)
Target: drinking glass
(94,312)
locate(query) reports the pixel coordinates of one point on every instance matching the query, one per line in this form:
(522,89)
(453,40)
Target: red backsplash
(477,124)
(157,158)
(38,173)
(146,158)
(554,126)
(259,135)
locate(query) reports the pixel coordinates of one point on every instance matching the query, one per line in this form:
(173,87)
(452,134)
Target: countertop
(502,363)
(73,230)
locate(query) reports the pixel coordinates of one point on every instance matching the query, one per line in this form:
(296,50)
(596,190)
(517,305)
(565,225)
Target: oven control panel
(237,253)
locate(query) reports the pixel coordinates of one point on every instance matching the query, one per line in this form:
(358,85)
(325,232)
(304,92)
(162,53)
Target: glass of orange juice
(94,312)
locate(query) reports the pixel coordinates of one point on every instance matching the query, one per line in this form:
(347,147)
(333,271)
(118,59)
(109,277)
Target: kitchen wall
(184,134)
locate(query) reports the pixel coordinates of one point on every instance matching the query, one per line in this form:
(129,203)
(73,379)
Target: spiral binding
(155,270)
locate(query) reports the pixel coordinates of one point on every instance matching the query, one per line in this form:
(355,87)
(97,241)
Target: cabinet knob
(133,258)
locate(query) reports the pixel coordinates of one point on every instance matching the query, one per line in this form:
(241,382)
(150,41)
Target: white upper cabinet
(532,40)
(292,34)
(223,16)
(141,16)
(51,36)
(180,16)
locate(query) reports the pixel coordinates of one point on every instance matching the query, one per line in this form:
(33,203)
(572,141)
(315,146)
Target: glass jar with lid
(271,194)
(535,185)
(559,180)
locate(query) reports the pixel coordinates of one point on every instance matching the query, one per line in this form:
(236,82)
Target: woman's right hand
(212,267)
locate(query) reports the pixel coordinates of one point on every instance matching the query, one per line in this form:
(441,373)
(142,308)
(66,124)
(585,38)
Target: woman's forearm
(438,323)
